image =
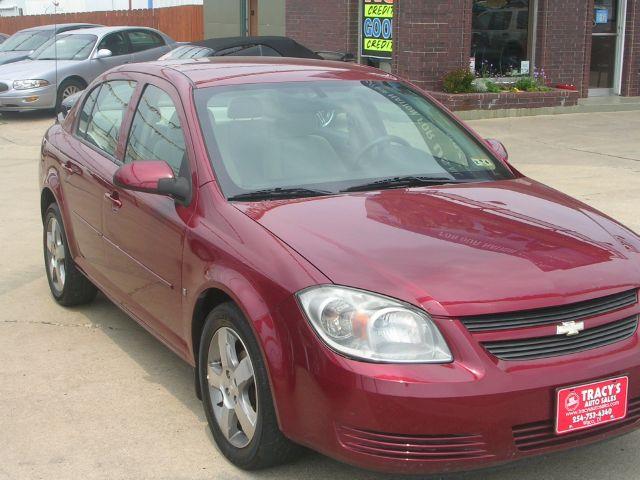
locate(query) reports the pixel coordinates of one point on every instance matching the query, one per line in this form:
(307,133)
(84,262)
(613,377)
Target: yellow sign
(377,45)
(380,11)
(377,28)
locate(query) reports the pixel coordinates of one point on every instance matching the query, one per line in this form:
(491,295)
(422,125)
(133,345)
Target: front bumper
(32,99)
(473,413)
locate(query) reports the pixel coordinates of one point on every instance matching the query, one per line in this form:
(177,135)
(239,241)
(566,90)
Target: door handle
(68,168)
(113,197)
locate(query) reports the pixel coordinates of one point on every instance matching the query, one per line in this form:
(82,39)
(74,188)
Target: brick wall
(564,41)
(507,100)
(432,38)
(631,71)
(330,25)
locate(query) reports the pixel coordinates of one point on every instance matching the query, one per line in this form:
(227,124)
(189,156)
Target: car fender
(239,258)
(273,336)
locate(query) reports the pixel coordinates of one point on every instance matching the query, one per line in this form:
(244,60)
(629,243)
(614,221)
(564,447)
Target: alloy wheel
(55,254)
(232,387)
(70,90)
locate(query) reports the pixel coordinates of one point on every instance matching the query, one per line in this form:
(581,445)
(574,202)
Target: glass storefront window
(500,40)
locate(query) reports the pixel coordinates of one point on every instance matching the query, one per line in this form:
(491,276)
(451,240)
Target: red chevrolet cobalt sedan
(347,266)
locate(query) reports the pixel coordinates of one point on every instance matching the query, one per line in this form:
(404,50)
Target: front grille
(542,347)
(414,448)
(536,436)
(3,87)
(546,316)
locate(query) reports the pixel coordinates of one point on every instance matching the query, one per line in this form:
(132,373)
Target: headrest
(243,108)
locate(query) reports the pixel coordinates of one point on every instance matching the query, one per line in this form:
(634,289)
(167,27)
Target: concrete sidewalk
(87,394)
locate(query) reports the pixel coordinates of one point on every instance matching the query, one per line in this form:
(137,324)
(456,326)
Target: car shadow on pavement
(167,370)
(26,117)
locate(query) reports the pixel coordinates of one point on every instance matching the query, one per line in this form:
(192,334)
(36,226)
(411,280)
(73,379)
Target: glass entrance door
(605,46)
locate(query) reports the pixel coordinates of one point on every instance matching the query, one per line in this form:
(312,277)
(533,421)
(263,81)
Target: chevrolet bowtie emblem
(569,328)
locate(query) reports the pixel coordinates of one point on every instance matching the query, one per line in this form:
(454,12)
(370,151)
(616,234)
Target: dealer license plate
(590,405)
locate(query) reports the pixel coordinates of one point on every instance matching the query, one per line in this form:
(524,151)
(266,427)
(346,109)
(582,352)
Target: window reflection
(500,39)
(156,133)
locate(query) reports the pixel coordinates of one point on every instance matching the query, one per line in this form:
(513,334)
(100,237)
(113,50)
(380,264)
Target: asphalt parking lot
(87,394)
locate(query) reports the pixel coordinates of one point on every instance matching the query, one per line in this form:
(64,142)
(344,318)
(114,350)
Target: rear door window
(102,114)
(144,40)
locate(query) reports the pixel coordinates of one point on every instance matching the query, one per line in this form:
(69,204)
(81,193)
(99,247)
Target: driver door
(145,232)
(118,44)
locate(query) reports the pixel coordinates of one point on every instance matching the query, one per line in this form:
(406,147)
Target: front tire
(236,395)
(68,285)
(66,89)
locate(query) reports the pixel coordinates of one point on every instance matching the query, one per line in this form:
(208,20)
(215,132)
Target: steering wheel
(378,142)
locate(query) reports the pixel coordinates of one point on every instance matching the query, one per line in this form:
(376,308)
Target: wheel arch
(47,197)
(76,78)
(206,301)
(261,319)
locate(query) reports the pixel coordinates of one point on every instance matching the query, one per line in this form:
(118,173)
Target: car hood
(461,249)
(9,57)
(30,69)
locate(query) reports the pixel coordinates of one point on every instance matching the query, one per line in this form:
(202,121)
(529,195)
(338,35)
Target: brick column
(330,25)
(563,45)
(631,69)
(432,38)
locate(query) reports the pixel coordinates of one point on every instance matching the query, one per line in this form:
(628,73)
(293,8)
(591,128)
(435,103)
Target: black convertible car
(250,46)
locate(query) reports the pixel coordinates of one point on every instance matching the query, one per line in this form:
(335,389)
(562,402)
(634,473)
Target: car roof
(100,30)
(210,71)
(284,45)
(58,26)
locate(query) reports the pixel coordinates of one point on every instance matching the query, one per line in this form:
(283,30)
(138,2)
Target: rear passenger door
(145,232)
(92,148)
(146,45)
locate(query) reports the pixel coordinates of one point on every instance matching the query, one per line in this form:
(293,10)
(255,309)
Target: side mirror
(152,177)
(67,104)
(103,53)
(498,148)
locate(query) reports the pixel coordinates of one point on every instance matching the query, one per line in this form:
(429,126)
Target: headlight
(372,327)
(27,84)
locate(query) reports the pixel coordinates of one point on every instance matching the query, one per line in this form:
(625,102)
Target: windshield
(25,41)
(66,47)
(335,136)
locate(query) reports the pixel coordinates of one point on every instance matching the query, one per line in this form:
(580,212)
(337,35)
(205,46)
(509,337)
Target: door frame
(619,54)
(250,21)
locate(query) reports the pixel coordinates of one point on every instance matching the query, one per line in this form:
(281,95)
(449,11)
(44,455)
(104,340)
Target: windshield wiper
(405,181)
(273,193)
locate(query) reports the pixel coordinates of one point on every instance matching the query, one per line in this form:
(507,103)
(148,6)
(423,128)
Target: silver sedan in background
(67,64)
(22,43)
(3,37)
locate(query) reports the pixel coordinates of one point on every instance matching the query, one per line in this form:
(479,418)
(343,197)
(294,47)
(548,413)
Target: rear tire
(262,445)
(68,285)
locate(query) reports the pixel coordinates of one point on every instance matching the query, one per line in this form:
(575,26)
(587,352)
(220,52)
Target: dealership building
(590,45)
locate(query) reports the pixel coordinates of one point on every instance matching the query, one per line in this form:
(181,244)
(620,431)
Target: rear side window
(87,110)
(256,51)
(103,112)
(144,40)
(249,51)
(156,133)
